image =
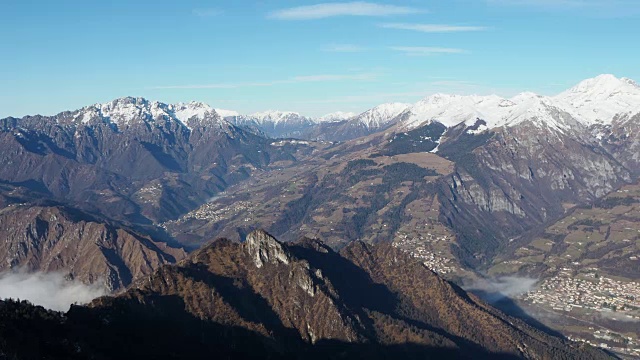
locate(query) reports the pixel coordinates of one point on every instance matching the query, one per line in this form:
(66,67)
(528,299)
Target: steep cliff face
(59,239)
(258,285)
(518,178)
(621,139)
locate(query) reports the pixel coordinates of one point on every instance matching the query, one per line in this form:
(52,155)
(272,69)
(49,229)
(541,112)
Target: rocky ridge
(366,302)
(59,239)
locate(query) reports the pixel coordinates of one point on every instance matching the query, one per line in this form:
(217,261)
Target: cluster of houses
(415,245)
(567,291)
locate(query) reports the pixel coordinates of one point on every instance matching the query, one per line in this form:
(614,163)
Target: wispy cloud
(326,10)
(426,50)
(433,28)
(345,48)
(292,80)
(206,12)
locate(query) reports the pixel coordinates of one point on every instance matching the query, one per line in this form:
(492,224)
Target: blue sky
(305,56)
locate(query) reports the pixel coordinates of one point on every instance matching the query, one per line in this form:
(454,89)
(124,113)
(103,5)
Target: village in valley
(575,294)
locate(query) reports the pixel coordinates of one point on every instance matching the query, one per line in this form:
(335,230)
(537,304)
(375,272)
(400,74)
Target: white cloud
(346,48)
(50,290)
(293,80)
(433,28)
(326,10)
(426,50)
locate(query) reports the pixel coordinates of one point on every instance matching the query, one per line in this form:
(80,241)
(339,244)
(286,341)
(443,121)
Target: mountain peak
(127,100)
(336,116)
(193,111)
(194,105)
(598,100)
(276,117)
(264,249)
(381,115)
(630,82)
(128,110)
(273,114)
(602,84)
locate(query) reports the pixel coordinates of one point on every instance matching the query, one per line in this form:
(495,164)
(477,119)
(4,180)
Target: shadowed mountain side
(266,299)
(140,331)
(49,237)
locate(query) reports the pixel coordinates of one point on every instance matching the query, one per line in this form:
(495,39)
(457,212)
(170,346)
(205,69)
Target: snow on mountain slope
(593,101)
(226,113)
(599,100)
(335,117)
(197,110)
(451,110)
(279,117)
(275,124)
(541,111)
(126,111)
(380,115)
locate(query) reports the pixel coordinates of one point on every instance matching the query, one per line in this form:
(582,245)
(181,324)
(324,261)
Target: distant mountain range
(594,101)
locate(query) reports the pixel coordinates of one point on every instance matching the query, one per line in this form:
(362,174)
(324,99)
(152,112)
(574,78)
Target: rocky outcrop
(264,248)
(69,241)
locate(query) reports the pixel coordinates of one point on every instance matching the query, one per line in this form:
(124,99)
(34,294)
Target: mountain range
(594,101)
(464,183)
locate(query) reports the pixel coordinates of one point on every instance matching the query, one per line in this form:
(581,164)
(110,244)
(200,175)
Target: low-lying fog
(50,290)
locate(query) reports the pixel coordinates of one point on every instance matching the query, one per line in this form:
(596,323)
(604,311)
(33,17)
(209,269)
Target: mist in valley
(50,290)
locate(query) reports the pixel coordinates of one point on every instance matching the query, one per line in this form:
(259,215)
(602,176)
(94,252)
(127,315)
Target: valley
(588,266)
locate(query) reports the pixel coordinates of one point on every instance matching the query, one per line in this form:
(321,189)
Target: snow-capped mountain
(226,113)
(599,100)
(368,122)
(380,115)
(128,111)
(280,117)
(276,124)
(451,110)
(336,116)
(593,101)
